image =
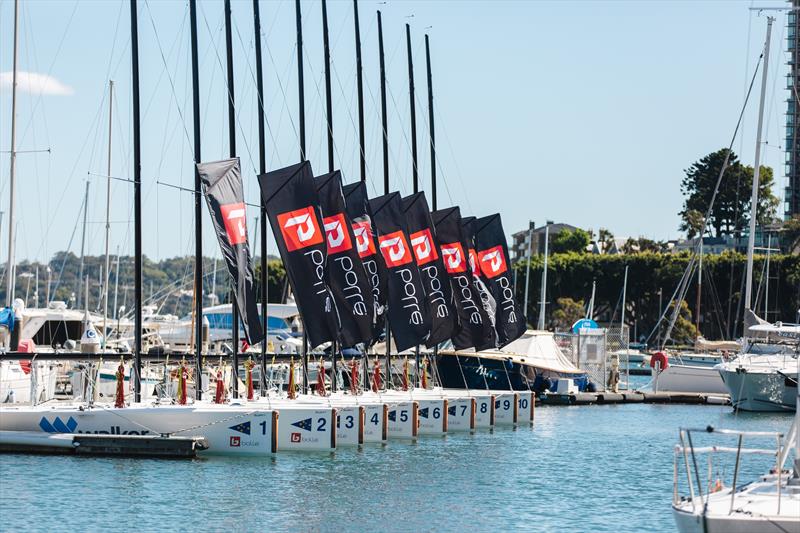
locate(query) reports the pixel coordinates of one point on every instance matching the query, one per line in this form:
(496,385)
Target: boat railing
(687,451)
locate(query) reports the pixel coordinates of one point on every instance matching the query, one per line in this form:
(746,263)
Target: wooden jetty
(591,398)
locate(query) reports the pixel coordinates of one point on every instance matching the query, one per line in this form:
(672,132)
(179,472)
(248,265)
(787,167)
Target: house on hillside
(520,243)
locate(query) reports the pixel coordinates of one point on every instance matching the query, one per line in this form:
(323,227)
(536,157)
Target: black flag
(476,329)
(222,187)
(348,279)
(355,195)
(494,262)
(438,293)
(293,209)
(409,319)
(487,300)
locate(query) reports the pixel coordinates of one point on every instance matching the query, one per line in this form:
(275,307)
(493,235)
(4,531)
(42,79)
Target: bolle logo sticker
(300,228)
(295,437)
(424,249)
(453,255)
(492,261)
(235,442)
(474,264)
(336,234)
(394,249)
(364,242)
(235,220)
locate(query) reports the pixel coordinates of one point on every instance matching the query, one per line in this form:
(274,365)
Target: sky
(579,112)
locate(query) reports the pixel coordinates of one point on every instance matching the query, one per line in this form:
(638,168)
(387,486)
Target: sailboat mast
(384,116)
(431,129)
(107,279)
(83,244)
(543,291)
(360,92)
(413,111)
(137,208)
(624,294)
(301,101)
(757,173)
(198,212)
(262,168)
(13,172)
(232,153)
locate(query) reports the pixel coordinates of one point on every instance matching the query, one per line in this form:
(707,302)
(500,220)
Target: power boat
(764,377)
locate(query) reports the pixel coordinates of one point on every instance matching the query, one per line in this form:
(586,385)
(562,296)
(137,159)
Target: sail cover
(222,188)
(438,294)
(294,214)
(494,262)
(409,319)
(475,329)
(355,195)
(348,279)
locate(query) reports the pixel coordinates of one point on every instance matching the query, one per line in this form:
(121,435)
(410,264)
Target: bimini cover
(539,349)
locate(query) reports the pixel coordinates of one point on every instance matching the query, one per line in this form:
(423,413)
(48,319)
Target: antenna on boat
(301,107)
(232,153)
(757,171)
(137,208)
(12,175)
(262,168)
(198,213)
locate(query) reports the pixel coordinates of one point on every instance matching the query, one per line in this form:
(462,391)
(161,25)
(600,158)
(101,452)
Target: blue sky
(579,112)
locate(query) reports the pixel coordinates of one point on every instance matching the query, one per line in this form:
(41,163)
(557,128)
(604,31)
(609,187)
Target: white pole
(756,173)
(590,310)
(83,241)
(108,211)
(528,270)
(12,176)
(766,282)
(544,276)
(624,293)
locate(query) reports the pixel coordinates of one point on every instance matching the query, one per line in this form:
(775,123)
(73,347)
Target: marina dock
(591,398)
(140,446)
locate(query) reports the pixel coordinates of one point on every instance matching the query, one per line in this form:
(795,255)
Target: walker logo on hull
(394,249)
(424,249)
(242,428)
(235,219)
(492,262)
(71,426)
(338,237)
(303,424)
(299,228)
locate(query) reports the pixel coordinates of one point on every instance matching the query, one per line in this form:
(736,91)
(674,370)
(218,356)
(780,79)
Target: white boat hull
(759,391)
(689,378)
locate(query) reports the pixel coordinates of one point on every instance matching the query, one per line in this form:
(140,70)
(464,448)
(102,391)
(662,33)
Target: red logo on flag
(492,261)
(394,249)
(424,249)
(473,262)
(453,255)
(295,437)
(235,442)
(336,233)
(235,220)
(364,242)
(299,228)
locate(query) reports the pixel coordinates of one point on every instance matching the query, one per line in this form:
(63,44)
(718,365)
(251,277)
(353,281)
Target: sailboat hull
(689,378)
(760,391)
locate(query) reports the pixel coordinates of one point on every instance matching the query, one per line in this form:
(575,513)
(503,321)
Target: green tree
(605,239)
(731,210)
(791,235)
(568,312)
(570,241)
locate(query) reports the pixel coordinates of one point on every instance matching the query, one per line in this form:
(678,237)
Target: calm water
(596,468)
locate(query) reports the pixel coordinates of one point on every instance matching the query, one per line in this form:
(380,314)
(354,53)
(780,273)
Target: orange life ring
(659,358)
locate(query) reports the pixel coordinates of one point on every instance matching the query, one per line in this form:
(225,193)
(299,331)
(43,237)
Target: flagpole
(329,115)
(414,168)
(262,165)
(360,87)
(384,122)
(232,147)
(137,208)
(302,120)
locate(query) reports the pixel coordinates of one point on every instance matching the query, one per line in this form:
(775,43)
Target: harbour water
(581,468)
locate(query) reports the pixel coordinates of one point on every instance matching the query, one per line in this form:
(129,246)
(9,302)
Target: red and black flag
(222,187)
(347,277)
(355,195)
(476,329)
(490,242)
(409,318)
(487,300)
(294,214)
(438,294)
